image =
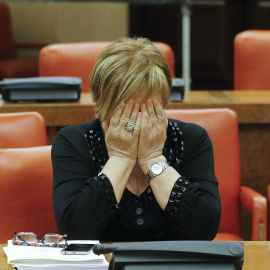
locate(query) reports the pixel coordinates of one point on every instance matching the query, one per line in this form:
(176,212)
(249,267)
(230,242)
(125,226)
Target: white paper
(25,257)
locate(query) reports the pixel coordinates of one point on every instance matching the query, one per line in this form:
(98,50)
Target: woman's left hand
(154,125)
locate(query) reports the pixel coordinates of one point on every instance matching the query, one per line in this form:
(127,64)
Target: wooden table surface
(251,106)
(256,256)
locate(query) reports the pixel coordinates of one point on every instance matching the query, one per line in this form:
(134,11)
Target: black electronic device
(77,249)
(41,89)
(180,255)
(177,91)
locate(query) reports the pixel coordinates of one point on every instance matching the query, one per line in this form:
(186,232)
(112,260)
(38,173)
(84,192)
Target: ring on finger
(130,125)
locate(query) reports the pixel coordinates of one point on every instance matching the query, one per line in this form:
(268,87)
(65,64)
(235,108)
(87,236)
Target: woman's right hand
(121,142)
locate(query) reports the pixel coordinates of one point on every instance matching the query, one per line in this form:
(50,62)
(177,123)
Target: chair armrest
(30,45)
(257,205)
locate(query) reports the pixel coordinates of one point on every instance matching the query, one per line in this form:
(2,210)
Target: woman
(132,174)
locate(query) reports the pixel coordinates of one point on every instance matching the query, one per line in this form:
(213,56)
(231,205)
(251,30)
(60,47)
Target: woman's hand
(121,142)
(152,134)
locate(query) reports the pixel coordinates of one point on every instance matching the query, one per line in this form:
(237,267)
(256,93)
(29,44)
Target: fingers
(160,114)
(145,113)
(114,121)
(134,114)
(127,113)
(144,125)
(137,129)
(151,112)
(155,113)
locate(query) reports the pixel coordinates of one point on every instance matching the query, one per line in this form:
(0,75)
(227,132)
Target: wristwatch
(156,169)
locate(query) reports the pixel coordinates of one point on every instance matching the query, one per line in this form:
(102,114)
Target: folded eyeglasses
(31,239)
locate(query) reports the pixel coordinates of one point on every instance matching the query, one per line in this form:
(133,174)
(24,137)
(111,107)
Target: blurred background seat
(26,191)
(12,66)
(78,59)
(268,197)
(252,60)
(222,127)
(26,129)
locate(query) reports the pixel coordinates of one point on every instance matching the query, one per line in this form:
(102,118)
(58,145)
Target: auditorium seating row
(251,68)
(251,57)
(26,174)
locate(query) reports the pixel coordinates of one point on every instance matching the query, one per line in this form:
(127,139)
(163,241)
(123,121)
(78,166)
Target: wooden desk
(252,107)
(58,113)
(257,256)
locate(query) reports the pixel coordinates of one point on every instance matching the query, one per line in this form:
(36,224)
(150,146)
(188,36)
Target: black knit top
(84,201)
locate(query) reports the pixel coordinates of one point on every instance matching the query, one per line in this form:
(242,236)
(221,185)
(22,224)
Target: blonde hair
(126,67)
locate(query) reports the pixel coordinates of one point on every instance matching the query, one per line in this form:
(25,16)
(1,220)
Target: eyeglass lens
(52,238)
(29,237)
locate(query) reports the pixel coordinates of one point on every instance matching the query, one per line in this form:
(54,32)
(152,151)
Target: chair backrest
(7,45)
(252,60)
(78,59)
(22,130)
(26,191)
(222,127)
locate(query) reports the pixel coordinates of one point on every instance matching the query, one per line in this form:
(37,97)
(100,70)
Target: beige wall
(68,21)
(92,21)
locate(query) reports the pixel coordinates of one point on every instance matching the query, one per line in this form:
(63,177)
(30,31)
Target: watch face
(156,169)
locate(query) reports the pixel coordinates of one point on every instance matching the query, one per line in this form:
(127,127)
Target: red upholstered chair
(222,127)
(26,191)
(12,66)
(78,59)
(252,60)
(22,130)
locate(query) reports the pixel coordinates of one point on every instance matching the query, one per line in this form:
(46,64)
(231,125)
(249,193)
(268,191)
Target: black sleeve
(194,206)
(83,201)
